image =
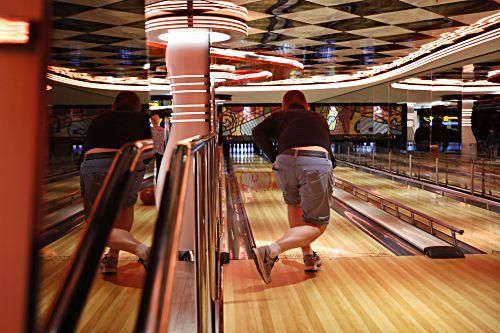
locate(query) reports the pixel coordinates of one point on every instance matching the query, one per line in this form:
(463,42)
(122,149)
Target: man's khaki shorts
(307,181)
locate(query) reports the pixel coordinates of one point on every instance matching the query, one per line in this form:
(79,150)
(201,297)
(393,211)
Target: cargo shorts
(307,181)
(92,175)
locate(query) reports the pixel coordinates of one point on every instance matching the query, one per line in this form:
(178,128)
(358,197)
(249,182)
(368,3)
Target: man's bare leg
(300,236)
(295,220)
(121,238)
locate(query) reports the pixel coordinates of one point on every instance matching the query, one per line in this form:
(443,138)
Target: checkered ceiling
(106,37)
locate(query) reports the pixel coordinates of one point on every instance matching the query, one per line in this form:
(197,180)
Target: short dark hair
(127,101)
(294,99)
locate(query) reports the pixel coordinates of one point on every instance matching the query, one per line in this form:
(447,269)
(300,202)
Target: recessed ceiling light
(215,37)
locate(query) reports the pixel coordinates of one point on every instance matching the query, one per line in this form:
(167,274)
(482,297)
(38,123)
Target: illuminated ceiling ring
(224,20)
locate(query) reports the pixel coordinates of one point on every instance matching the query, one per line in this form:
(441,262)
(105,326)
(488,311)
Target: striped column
(469,143)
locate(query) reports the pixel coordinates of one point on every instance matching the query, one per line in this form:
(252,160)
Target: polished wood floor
(267,214)
(62,187)
(113,300)
(482,227)
(374,292)
(366,294)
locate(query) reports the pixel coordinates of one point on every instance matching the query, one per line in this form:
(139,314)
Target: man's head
(294,99)
(127,101)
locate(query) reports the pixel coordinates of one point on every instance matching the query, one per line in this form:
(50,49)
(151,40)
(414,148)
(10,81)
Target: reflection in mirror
(453,119)
(102,51)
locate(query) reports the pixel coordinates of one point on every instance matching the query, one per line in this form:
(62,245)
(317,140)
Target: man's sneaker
(109,265)
(263,262)
(312,262)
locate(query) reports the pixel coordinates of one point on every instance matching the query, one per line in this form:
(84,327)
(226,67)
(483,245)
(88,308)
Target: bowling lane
(365,294)
(267,214)
(482,227)
(113,300)
(60,188)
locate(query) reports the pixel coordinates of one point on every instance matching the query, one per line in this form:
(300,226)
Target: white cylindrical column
(469,143)
(188,66)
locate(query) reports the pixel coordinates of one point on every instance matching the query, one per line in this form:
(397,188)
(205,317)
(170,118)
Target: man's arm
(262,134)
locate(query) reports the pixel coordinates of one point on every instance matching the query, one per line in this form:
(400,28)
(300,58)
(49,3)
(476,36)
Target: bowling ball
(147,196)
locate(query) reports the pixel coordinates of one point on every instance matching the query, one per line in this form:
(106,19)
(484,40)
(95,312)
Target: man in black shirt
(303,170)
(106,134)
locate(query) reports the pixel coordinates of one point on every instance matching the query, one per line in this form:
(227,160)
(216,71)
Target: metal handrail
(413,213)
(196,155)
(474,172)
(432,167)
(70,300)
(449,191)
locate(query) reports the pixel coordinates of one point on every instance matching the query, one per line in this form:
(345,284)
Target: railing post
(348,152)
(454,238)
(437,170)
(412,216)
(446,170)
(472,176)
(373,158)
(431,227)
(410,166)
(390,166)
(483,185)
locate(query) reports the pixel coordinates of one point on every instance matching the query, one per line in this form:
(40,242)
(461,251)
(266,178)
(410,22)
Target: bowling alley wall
(342,119)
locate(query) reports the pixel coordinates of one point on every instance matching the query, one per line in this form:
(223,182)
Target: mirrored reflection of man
(106,134)
(492,140)
(158,135)
(303,170)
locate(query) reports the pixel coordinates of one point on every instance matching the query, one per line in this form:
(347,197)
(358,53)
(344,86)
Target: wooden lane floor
(61,187)
(482,227)
(267,214)
(113,300)
(366,294)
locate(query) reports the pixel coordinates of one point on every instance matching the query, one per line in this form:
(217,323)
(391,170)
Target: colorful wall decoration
(73,122)
(342,119)
(362,119)
(240,120)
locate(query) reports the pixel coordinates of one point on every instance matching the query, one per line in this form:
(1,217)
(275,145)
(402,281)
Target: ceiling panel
(107,36)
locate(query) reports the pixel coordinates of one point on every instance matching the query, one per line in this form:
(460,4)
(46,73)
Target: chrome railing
(72,295)
(196,160)
(401,211)
(476,176)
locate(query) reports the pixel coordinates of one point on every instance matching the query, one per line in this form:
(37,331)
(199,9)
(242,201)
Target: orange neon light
(14,31)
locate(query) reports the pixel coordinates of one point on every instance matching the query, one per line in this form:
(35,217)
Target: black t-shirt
(114,129)
(292,128)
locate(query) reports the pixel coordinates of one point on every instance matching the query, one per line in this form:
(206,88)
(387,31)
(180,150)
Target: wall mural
(72,122)
(240,120)
(342,119)
(362,119)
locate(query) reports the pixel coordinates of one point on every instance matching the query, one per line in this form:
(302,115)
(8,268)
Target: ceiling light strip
(205,84)
(272,86)
(189,91)
(14,31)
(190,113)
(188,76)
(190,120)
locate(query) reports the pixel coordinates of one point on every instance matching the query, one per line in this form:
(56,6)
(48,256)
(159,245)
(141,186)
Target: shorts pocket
(316,180)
